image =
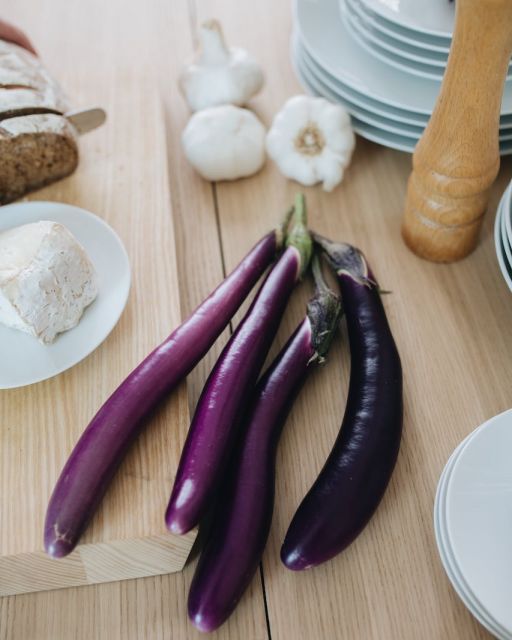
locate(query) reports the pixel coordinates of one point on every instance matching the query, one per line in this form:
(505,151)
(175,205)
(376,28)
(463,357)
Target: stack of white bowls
(503,236)
(384,60)
(473,523)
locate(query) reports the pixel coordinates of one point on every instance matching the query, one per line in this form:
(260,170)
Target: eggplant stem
(324,312)
(318,276)
(301,214)
(299,236)
(282,229)
(346,260)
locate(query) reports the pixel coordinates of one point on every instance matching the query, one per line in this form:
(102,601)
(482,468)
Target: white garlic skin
(311,140)
(221,74)
(224,143)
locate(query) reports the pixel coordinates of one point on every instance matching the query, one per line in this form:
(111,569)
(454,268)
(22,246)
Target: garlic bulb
(224,143)
(221,74)
(311,140)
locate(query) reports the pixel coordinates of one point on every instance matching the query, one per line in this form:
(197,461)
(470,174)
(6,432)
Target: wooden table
(452,325)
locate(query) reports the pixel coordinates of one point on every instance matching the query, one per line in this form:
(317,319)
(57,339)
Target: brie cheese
(46,279)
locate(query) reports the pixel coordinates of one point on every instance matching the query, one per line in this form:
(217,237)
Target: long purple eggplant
(357,471)
(101,448)
(231,381)
(246,498)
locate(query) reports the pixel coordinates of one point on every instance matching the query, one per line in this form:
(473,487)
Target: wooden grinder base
(457,158)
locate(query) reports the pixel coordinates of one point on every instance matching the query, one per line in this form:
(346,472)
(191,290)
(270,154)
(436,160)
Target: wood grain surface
(123,178)
(451,323)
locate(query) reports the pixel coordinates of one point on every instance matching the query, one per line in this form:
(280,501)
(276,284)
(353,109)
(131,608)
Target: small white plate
(430,17)
(397,32)
(24,359)
(479,516)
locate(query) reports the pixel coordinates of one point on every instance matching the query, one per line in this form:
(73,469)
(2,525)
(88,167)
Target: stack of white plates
(412,35)
(473,523)
(503,236)
(383,60)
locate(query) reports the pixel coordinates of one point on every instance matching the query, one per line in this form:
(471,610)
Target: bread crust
(37,148)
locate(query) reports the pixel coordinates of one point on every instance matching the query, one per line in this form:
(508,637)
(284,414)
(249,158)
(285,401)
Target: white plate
(333,48)
(504,215)
(398,47)
(357,98)
(445,550)
(507,217)
(400,55)
(505,268)
(479,516)
(366,103)
(422,70)
(24,359)
(385,131)
(431,17)
(377,133)
(369,117)
(397,32)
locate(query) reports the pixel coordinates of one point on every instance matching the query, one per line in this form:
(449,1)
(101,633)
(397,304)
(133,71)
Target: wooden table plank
(151,608)
(123,178)
(451,330)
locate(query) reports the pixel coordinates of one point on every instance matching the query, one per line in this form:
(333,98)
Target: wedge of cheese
(46,279)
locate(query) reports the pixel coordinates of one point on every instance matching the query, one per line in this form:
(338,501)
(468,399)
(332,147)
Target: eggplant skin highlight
(100,450)
(242,518)
(356,474)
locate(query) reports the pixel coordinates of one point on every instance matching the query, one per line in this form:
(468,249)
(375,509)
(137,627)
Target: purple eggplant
(241,522)
(231,381)
(355,476)
(101,448)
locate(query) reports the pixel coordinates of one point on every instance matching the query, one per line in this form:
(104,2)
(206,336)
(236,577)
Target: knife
(84,120)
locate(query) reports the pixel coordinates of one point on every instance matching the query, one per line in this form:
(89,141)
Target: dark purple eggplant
(355,476)
(241,522)
(101,448)
(231,381)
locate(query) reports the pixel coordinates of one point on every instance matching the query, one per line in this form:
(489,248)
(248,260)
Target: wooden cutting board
(123,178)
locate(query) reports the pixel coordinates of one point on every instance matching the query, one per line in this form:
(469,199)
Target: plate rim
(457,580)
(378,120)
(380,11)
(425,90)
(499,249)
(399,32)
(382,40)
(481,431)
(391,59)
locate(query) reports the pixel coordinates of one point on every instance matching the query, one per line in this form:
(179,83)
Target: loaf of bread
(37,144)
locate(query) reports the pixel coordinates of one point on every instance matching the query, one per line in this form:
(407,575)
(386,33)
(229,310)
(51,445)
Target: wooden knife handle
(457,158)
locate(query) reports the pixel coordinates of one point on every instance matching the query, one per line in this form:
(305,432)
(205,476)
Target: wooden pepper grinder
(457,158)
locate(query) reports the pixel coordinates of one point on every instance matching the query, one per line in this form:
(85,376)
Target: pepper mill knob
(457,158)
